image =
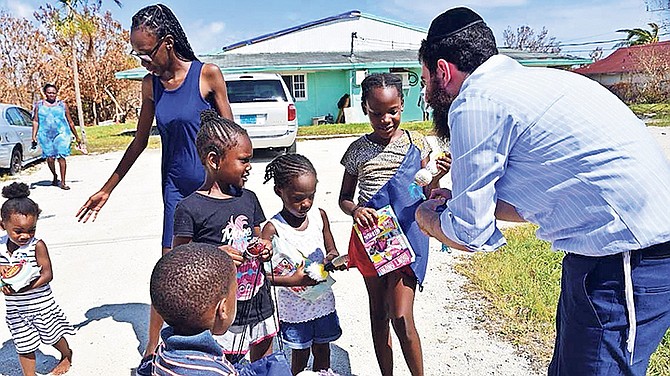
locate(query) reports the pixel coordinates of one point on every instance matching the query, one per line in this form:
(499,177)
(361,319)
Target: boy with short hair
(193,288)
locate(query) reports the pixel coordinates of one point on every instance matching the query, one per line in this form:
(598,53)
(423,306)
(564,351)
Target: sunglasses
(148,57)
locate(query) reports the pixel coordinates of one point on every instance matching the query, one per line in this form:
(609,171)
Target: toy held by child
(306,324)
(383,164)
(425,176)
(192,312)
(32,314)
(221,212)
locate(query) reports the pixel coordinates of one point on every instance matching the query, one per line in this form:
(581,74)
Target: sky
(212,24)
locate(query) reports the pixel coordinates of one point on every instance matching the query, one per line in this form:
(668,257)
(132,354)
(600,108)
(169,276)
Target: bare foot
(63,366)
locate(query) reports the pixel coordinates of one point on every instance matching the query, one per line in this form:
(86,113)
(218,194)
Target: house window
(297,85)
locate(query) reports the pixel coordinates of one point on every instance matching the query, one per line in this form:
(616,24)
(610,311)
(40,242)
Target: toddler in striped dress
(32,314)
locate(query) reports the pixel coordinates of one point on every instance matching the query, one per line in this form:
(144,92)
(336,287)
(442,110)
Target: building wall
(324,89)
(336,37)
(411,111)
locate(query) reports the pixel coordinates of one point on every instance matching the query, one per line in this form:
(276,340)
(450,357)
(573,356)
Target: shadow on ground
(9,361)
(339,360)
(136,314)
(49,183)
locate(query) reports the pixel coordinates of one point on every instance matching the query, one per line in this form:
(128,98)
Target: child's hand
(266,253)
(7,290)
(365,217)
(234,254)
(300,278)
(443,163)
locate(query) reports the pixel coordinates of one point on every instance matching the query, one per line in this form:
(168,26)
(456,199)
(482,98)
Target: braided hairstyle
(379,80)
(18,201)
(285,168)
(159,20)
(217,134)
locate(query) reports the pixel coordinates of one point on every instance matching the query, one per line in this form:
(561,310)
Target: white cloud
(567,20)
(579,22)
(430,9)
(18,8)
(206,37)
(216,27)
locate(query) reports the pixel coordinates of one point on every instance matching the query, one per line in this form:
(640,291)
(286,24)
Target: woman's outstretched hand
(92,207)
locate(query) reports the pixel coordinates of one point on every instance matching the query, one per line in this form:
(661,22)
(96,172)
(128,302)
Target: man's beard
(440,101)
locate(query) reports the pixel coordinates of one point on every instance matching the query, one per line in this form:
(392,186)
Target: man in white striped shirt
(558,150)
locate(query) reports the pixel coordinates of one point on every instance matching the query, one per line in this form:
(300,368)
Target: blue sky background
(211,24)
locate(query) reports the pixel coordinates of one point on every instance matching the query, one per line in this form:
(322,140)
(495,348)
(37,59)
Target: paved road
(102,273)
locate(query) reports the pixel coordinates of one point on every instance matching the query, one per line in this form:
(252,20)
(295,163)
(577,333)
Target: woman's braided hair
(160,20)
(217,134)
(287,167)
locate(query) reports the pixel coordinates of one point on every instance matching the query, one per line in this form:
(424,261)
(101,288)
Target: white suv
(262,104)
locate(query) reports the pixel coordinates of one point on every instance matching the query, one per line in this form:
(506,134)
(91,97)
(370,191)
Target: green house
(322,60)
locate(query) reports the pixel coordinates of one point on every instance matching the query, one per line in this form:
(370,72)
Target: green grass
(424,127)
(661,111)
(522,283)
(102,139)
(107,138)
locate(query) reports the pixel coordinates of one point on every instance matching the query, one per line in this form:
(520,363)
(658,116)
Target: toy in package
(285,261)
(386,244)
(20,275)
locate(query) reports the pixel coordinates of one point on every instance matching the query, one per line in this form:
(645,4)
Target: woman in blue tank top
(177,89)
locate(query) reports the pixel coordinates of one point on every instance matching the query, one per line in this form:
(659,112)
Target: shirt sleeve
(349,159)
(184,223)
(483,133)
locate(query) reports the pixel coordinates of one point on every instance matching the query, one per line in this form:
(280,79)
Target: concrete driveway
(102,269)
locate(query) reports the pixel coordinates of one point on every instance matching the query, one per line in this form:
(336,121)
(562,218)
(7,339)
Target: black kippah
(451,22)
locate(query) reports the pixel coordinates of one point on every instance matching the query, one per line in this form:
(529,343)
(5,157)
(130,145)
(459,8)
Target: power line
(588,43)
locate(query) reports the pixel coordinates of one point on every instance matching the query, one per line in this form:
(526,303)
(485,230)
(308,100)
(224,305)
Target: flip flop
(54,182)
(64,187)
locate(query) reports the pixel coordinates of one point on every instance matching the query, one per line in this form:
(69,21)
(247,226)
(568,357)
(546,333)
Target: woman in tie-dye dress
(53,128)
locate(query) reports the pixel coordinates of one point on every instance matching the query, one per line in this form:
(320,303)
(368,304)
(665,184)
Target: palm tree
(74,19)
(638,36)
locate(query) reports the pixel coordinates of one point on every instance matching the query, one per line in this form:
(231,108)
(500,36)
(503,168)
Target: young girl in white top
(303,323)
(32,314)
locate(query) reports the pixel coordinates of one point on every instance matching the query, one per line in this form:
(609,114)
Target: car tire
(292,149)
(16,162)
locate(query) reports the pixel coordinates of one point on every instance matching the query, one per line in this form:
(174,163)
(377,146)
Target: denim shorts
(302,335)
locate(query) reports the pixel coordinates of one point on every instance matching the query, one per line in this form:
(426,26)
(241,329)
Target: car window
(245,91)
(13,116)
(27,119)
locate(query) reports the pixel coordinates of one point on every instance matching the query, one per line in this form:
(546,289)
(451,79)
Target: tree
(525,39)
(638,36)
(71,19)
(653,79)
(596,54)
(24,58)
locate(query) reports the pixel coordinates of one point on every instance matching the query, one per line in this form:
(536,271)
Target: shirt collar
(201,342)
(495,63)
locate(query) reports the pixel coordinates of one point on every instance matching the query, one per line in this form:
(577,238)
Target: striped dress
(32,316)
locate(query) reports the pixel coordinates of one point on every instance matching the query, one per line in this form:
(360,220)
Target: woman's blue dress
(54,133)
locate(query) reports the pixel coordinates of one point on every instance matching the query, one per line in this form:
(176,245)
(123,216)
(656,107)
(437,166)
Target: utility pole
(353,36)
